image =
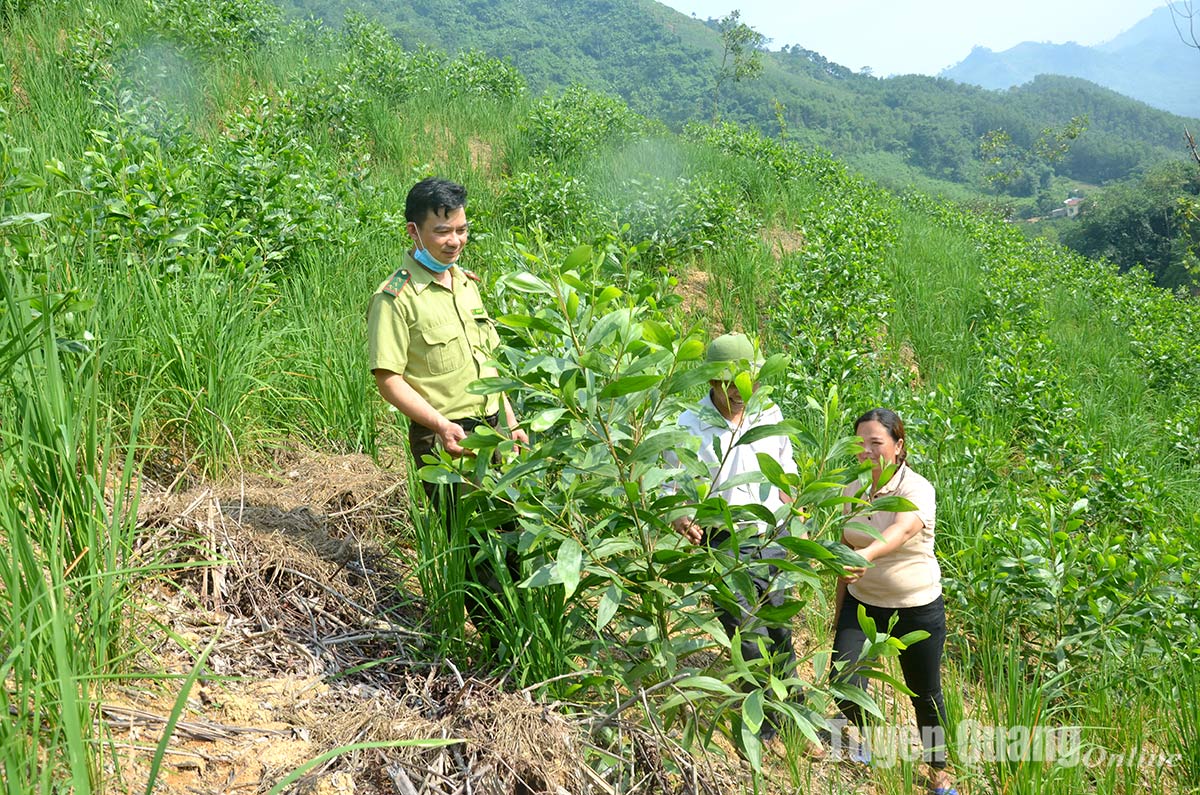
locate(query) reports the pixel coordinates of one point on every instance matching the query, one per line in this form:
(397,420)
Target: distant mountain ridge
(1148,62)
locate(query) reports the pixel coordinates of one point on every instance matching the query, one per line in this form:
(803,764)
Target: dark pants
(744,615)
(444,501)
(423,441)
(921,664)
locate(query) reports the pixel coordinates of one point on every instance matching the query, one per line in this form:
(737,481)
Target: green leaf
(57,168)
(613,546)
(23,219)
(615,322)
(773,366)
(849,692)
(542,577)
(608,294)
(866,623)
(912,637)
(545,420)
(781,614)
(752,711)
(652,446)
(530,322)
(785,428)
(519,471)
(579,256)
(893,504)
(526,282)
(744,384)
(628,385)
(709,684)
(26,182)
(687,381)
(657,333)
(569,562)
(752,746)
(609,602)
(690,350)
(773,471)
(492,385)
(805,548)
(439,475)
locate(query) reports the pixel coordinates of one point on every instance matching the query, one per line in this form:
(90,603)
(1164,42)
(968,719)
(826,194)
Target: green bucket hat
(735,350)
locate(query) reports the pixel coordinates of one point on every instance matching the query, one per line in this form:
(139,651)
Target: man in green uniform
(429,337)
(428,331)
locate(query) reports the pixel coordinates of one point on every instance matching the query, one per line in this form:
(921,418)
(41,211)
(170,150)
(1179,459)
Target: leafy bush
(578,122)
(685,217)
(373,60)
(611,594)
(549,201)
(218,29)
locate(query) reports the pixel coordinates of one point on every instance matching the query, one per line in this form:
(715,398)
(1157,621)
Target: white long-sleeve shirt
(726,461)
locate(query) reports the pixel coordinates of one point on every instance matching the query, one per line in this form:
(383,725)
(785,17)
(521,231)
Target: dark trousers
(444,501)
(921,664)
(744,615)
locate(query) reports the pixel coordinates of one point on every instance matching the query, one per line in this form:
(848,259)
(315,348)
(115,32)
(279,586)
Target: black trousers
(444,501)
(744,615)
(921,664)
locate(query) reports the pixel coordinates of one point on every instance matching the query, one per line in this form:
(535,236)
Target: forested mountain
(901,130)
(1148,62)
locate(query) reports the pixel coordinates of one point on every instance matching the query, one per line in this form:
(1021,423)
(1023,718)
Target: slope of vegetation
(196,200)
(665,65)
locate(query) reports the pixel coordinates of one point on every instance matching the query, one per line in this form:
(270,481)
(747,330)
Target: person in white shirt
(719,420)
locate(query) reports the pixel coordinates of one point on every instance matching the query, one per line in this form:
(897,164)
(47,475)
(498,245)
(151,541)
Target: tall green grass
(68,506)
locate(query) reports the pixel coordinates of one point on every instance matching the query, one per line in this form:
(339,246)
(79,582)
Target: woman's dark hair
(889,420)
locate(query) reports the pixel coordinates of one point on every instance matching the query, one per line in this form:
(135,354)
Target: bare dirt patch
(693,289)
(782,241)
(482,155)
(298,588)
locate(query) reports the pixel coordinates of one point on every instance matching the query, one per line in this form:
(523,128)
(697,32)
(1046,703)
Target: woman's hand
(853,574)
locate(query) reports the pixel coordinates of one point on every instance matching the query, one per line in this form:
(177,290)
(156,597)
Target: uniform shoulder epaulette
(396,283)
(471,275)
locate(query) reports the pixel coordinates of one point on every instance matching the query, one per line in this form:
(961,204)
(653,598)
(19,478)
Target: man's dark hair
(433,195)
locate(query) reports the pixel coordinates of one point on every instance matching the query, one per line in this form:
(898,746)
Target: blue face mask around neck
(422,255)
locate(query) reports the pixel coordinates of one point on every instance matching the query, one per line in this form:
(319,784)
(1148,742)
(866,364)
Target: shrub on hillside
(579,121)
(557,206)
(685,217)
(218,30)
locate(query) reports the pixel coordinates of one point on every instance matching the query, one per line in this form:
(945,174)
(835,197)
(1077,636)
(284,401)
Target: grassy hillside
(910,128)
(196,200)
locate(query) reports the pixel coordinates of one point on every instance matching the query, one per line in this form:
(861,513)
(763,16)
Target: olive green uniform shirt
(439,340)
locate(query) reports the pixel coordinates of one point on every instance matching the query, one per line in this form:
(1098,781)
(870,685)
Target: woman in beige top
(903,579)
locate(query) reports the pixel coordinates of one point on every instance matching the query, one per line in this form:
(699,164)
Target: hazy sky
(923,36)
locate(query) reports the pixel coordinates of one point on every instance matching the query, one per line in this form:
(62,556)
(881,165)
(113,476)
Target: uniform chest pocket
(445,348)
(484,333)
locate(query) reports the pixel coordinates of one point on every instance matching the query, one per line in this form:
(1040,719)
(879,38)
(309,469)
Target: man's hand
(450,434)
(686,526)
(520,437)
